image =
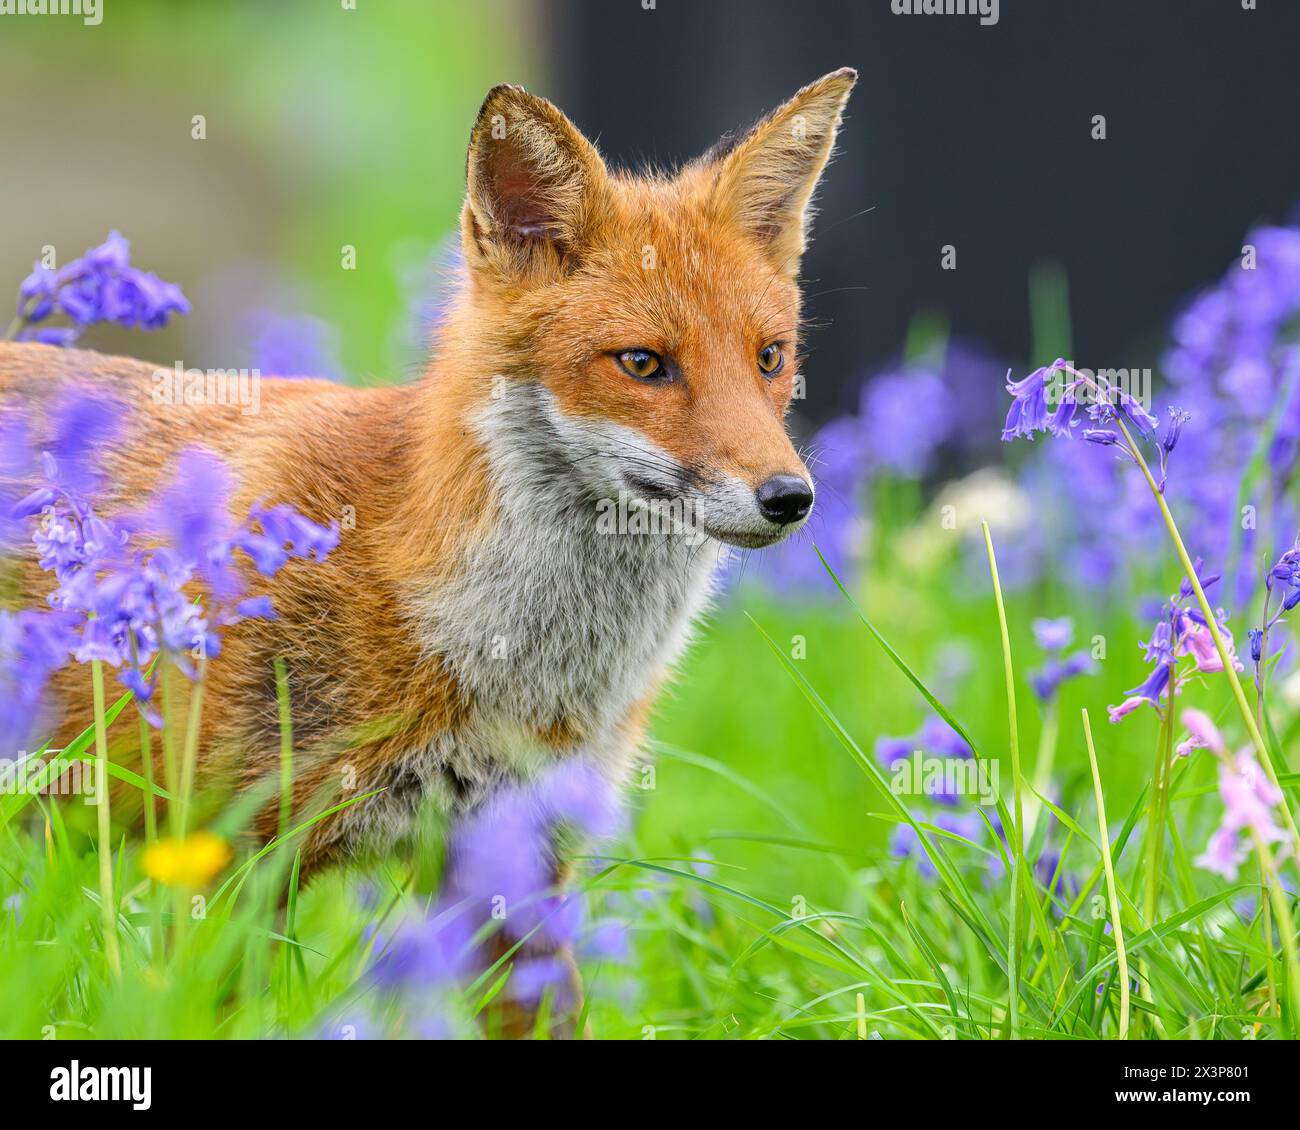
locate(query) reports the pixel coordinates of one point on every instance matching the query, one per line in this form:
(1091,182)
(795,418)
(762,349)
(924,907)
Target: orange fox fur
(469,628)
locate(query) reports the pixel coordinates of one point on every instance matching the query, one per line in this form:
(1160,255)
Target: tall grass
(757,880)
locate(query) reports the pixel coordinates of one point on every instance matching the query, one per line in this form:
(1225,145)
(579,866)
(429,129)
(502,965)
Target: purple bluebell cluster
(501,889)
(1235,360)
(125,606)
(905,844)
(1281,584)
(1054,637)
(1233,372)
(906,417)
(297,346)
(1111,409)
(1180,632)
(935,738)
(101,286)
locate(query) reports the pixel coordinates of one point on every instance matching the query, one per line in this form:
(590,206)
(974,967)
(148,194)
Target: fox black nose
(784,499)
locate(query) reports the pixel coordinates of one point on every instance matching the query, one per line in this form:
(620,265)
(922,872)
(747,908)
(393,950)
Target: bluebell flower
(905,417)
(274,535)
(1114,402)
(1180,632)
(1104,437)
(501,872)
(1029,409)
(1174,428)
(606,941)
(1047,680)
(127,606)
(33,645)
(905,844)
(888,750)
(536,977)
(1281,581)
(1256,644)
(101,286)
(940,739)
(1053,635)
(298,346)
(935,737)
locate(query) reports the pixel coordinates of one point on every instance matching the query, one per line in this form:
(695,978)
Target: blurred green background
(325,127)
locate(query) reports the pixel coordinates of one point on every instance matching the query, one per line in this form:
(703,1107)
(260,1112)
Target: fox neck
(553,618)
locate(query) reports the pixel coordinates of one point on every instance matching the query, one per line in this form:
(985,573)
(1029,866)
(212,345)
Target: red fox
(617,341)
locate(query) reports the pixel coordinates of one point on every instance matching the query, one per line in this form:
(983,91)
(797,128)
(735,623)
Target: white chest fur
(559,623)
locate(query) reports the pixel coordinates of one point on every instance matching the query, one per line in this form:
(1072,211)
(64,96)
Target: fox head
(651,322)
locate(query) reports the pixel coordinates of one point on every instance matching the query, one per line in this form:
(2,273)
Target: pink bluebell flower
(1202,733)
(1249,803)
(1180,633)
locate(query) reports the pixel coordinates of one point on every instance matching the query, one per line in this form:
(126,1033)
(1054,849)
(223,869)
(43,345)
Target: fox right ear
(765,180)
(534,184)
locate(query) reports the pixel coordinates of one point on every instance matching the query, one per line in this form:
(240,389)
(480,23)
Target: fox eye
(641,363)
(771,359)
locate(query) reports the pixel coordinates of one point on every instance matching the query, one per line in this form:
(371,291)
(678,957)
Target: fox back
(532,528)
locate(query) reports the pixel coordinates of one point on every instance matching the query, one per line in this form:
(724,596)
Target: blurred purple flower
(534,977)
(1249,799)
(905,417)
(1053,635)
(274,535)
(33,645)
(502,864)
(1047,680)
(296,346)
(1202,733)
(905,844)
(889,750)
(124,607)
(1281,583)
(101,286)
(606,941)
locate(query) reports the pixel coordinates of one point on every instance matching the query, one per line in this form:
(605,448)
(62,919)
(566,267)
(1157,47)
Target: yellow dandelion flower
(189,863)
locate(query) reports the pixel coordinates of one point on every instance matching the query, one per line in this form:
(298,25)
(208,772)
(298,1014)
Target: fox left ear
(534,184)
(766,178)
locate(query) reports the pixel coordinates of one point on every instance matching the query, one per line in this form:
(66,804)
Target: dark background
(330,126)
(978,137)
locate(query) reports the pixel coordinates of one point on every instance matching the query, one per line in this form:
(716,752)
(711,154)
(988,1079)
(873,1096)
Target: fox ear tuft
(765,180)
(533,182)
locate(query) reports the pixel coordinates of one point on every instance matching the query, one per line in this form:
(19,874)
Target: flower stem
(286,747)
(1158,803)
(1211,622)
(1267,928)
(1047,742)
(108,906)
(190,753)
(169,749)
(1018,815)
(1121,957)
(146,763)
